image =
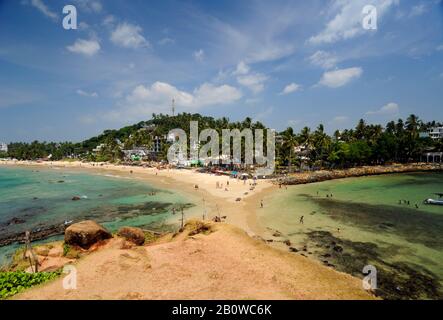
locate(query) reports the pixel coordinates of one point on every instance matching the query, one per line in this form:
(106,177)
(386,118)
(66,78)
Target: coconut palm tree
(290,142)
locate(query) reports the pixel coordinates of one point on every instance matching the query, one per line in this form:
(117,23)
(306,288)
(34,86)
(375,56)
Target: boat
(434,201)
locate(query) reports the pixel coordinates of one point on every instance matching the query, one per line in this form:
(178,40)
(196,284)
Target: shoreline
(183,181)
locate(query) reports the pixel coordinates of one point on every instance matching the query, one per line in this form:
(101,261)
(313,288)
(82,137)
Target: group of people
(407,202)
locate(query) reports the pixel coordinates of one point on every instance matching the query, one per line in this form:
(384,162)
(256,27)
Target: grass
(14,282)
(70,252)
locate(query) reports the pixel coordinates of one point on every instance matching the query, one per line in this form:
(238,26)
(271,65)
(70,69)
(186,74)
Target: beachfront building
(136,153)
(157,140)
(3,147)
(98,148)
(433,133)
(432,157)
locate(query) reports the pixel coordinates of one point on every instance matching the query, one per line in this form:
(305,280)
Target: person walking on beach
(302,219)
(261,204)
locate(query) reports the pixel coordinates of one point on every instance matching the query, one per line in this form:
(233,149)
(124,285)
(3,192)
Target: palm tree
(412,126)
(305,136)
(361,129)
(290,142)
(321,142)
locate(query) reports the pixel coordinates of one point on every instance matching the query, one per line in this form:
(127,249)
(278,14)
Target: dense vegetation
(365,144)
(12,283)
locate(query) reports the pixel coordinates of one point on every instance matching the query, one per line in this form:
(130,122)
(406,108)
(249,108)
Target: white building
(436,133)
(433,133)
(3,147)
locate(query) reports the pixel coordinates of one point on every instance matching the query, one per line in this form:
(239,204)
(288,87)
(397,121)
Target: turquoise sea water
(364,223)
(43,196)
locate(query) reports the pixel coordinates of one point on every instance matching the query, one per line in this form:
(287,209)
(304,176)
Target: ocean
(32,198)
(378,220)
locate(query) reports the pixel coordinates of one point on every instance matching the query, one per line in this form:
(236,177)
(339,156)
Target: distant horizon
(284,63)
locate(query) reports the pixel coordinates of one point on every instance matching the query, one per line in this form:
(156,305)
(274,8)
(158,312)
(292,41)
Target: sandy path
(226,264)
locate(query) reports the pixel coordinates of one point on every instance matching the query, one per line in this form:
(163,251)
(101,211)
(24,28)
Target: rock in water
(135,235)
(85,234)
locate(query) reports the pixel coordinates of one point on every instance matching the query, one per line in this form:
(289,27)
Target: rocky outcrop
(132,234)
(86,233)
(323,175)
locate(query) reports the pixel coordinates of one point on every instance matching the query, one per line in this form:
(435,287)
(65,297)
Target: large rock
(135,235)
(86,233)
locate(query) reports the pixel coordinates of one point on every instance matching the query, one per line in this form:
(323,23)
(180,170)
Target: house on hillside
(3,147)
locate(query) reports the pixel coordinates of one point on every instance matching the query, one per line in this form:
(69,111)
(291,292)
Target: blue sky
(285,63)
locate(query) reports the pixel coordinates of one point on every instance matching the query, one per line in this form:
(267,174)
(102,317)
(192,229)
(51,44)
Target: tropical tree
(290,142)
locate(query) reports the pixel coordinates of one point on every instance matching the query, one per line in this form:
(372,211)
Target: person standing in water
(302,219)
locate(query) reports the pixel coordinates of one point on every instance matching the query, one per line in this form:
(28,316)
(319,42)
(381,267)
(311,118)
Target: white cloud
(339,120)
(294,123)
(252,100)
(109,20)
(242,41)
(254,81)
(85,47)
(418,10)
(83,26)
(199,55)
(323,59)
(87,94)
(388,109)
(144,100)
(128,36)
(292,87)
(340,77)
(165,41)
(90,5)
(439,48)
(242,68)
(43,8)
(270,52)
(347,21)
